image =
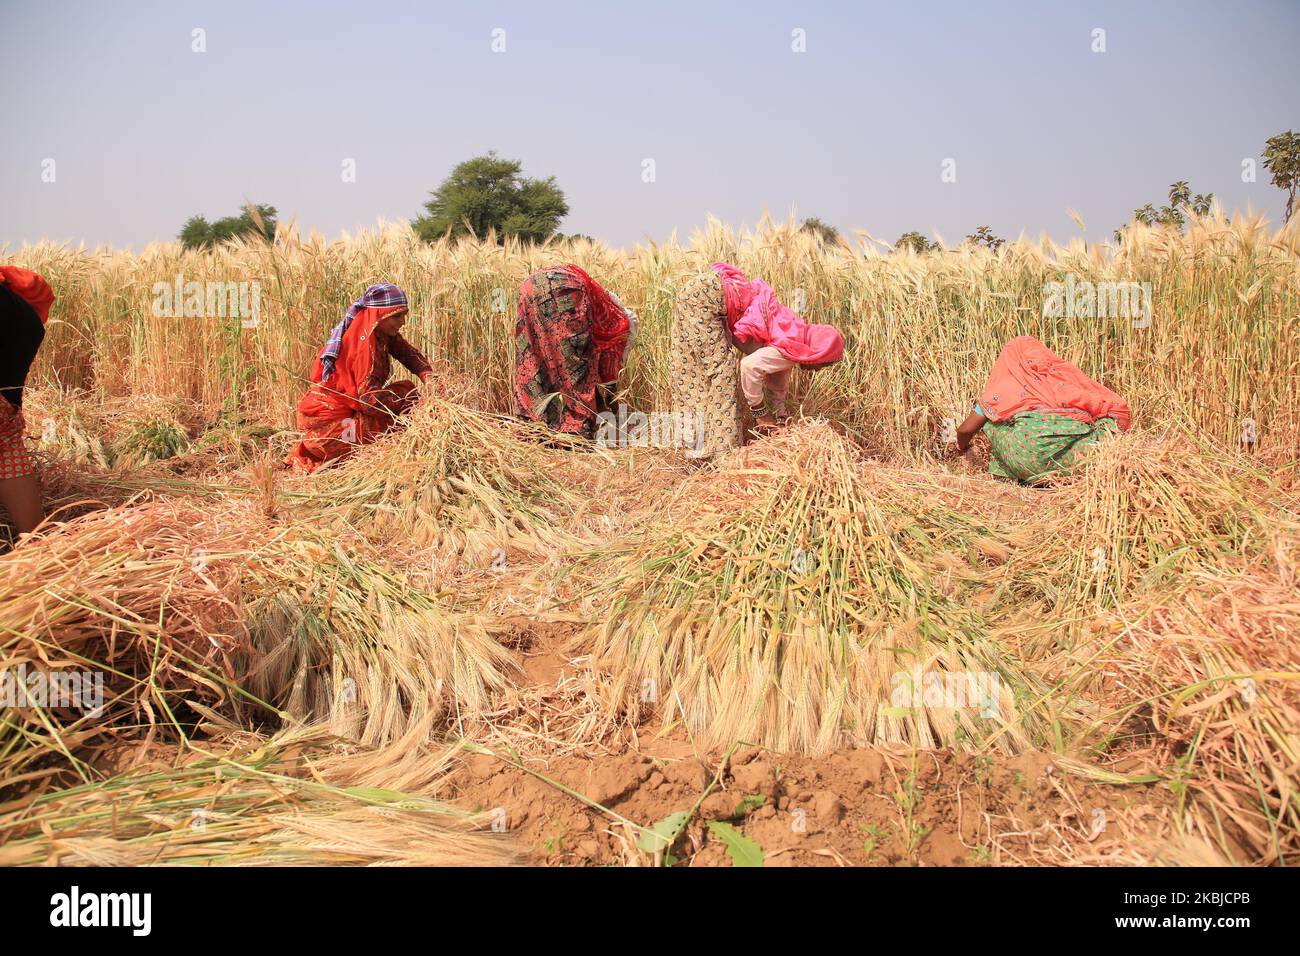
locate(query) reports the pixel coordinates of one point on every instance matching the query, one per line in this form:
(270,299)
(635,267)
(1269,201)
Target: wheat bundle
(1139,513)
(255,802)
(1216,675)
(451,478)
(805,598)
(343,637)
(170,611)
(139,604)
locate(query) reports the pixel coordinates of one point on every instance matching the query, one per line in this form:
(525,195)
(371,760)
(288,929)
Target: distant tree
(916,242)
(1282,159)
(198,233)
(825,230)
(1174,213)
(488,192)
(983,236)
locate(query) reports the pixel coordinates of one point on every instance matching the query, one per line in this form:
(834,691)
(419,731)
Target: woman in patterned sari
(1039,413)
(571,341)
(722,308)
(351,402)
(25,301)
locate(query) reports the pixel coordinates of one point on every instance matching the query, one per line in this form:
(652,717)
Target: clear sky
(145,132)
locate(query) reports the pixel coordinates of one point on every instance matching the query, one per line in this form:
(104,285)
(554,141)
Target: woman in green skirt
(1039,413)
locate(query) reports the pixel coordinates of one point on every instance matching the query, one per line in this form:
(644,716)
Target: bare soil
(852,807)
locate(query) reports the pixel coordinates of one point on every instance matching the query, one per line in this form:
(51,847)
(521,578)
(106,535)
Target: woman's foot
(765,424)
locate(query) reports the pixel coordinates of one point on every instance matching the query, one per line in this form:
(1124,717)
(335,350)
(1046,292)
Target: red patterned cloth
(20,343)
(15,461)
(569,340)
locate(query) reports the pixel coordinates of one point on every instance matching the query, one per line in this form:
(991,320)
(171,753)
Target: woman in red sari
(25,300)
(351,402)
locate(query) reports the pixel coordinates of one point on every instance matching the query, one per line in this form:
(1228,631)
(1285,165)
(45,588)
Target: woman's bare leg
(21,497)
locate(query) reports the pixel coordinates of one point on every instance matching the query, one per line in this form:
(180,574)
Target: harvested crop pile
(121,434)
(797,596)
(144,597)
(1215,677)
(453,478)
(340,636)
(172,611)
(251,802)
(1142,512)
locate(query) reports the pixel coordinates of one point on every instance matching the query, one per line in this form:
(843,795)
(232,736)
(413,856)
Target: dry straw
(249,802)
(793,597)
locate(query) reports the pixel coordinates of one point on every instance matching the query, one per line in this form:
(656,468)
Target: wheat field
(308,656)
(1221,344)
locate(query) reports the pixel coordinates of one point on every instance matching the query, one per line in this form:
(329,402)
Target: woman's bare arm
(967,429)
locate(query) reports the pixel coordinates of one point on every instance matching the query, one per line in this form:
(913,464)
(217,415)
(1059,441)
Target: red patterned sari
(569,342)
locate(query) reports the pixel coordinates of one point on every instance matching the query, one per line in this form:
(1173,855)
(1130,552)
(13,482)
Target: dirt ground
(853,807)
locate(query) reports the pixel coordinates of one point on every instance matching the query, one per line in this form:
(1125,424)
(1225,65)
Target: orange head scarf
(1030,377)
(31,287)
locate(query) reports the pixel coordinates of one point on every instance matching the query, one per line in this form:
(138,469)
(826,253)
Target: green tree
(983,236)
(916,242)
(825,230)
(1282,159)
(488,192)
(198,233)
(1174,213)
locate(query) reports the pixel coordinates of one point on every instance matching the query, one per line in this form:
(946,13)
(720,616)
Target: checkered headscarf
(381,295)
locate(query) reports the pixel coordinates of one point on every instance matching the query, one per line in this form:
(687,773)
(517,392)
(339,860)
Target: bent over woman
(351,402)
(721,308)
(1039,412)
(571,342)
(25,301)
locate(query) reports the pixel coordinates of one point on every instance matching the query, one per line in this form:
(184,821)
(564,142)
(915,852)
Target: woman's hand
(965,432)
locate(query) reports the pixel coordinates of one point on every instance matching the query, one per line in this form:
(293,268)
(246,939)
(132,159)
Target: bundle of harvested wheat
(1142,511)
(452,477)
(108,621)
(157,615)
(799,598)
(341,636)
(1214,678)
(254,802)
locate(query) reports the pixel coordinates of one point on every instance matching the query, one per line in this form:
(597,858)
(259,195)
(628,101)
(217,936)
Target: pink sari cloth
(754,314)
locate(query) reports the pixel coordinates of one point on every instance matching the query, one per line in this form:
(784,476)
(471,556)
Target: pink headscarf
(755,314)
(736,289)
(1028,376)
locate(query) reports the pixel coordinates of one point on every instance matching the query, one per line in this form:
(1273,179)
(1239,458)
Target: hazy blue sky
(144,132)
